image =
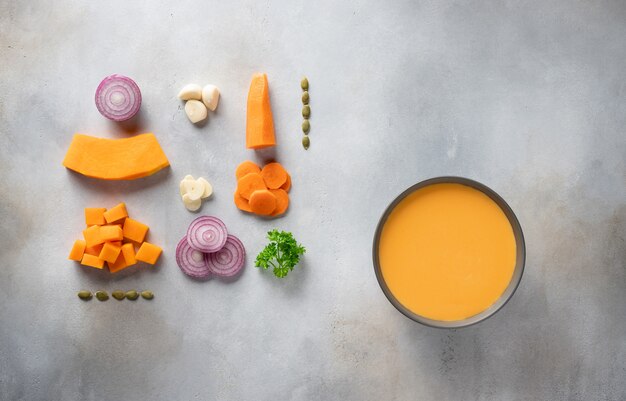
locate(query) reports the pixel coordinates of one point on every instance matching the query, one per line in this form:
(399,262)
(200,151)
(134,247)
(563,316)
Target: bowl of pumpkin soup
(448,252)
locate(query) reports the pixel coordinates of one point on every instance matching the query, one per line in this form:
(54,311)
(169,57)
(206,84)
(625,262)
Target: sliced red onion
(207,234)
(191,262)
(118,98)
(229,260)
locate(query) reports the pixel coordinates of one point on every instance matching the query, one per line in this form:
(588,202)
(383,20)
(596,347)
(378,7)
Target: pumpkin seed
(132,295)
(119,295)
(306,126)
(147,294)
(102,296)
(304,84)
(305,97)
(84,295)
(306,112)
(306,142)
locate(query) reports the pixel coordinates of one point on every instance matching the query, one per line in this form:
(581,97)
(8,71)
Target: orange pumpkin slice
(115,159)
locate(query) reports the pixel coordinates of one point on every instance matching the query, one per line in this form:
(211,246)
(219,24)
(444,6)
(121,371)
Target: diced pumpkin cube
(94,216)
(92,236)
(111,233)
(116,213)
(128,250)
(93,261)
(94,250)
(118,265)
(118,243)
(78,250)
(110,252)
(148,253)
(134,230)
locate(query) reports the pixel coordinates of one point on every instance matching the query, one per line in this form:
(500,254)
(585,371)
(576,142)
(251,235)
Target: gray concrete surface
(528,97)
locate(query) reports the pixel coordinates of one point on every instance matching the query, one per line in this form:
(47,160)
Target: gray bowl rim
(519,261)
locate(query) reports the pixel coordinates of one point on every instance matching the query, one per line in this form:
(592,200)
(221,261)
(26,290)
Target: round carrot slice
(263,202)
(246,167)
(287,185)
(242,203)
(274,175)
(282,201)
(249,183)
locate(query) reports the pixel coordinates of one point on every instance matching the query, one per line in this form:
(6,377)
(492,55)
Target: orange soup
(447,252)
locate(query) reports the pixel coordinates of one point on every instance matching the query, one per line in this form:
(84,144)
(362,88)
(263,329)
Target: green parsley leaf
(282,254)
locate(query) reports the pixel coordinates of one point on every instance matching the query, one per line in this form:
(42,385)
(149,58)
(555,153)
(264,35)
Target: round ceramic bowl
(517,272)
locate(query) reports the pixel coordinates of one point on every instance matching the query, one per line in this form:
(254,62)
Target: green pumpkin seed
(306,142)
(306,112)
(306,126)
(119,295)
(304,84)
(132,295)
(305,97)
(147,294)
(84,295)
(102,296)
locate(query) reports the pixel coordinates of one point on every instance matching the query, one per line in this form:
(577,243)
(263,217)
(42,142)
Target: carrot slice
(263,202)
(250,183)
(287,185)
(259,121)
(242,203)
(282,201)
(246,167)
(274,175)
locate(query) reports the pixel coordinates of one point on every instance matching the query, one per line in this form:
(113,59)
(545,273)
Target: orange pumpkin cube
(94,250)
(120,264)
(116,213)
(134,230)
(94,216)
(93,261)
(128,250)
(111,233)
(148,253)
(78,250)
(110,252)
(92,236)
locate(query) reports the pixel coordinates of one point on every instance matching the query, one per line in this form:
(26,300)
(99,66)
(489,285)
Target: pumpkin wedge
(115,159)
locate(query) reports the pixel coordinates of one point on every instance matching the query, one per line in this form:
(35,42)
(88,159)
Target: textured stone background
(528,97)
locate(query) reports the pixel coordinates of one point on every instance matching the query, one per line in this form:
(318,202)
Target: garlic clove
(190,92)
(208,189)
(191,205)
(193,189)
(195,110)
(210,96)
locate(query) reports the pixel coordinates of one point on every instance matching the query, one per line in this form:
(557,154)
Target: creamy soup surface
(447,252)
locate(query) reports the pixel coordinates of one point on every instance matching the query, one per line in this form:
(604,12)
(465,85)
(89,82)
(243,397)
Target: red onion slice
(229,260)
(191,262)
(118,98)
(207,234)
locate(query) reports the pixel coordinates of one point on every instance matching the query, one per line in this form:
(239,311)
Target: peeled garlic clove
(190,204)
(181,186)
(195,110)
(190,92)
(210,96)
(194,189)
(208,189)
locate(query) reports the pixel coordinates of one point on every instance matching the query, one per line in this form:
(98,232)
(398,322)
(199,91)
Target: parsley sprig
(282,253)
